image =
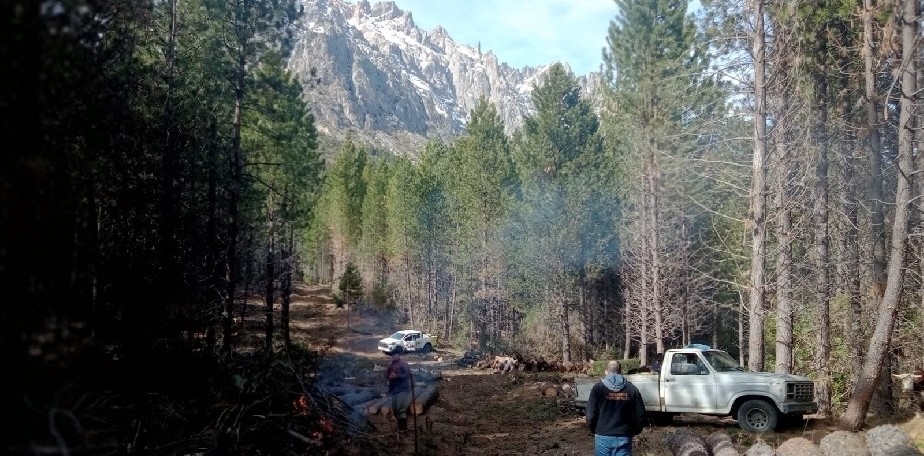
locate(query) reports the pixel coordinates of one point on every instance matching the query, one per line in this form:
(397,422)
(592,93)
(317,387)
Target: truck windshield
(721,361)
(398,335)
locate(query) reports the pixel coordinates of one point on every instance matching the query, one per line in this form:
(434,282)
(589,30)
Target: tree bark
(237,165)
(822,252)
(874,145)
(879,342)
(757,221)
(289,258)
(269,296)
(784,309)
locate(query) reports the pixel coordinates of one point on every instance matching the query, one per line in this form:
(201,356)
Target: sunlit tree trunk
(879,342)
(757,219)
(784,302)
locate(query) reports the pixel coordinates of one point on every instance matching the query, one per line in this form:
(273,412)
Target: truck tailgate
(649,388)
(647,385)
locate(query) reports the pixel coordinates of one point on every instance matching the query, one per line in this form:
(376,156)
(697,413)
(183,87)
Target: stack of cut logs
(550,389)
(374,400)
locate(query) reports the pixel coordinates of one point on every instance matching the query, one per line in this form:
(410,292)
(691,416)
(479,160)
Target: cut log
(720,444)
(550,391)
(683,442)
(425,395)
(374,406)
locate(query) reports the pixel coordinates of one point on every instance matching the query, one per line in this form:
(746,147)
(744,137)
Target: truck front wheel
(757,416)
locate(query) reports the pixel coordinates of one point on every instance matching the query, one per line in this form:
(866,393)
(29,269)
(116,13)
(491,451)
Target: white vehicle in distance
(407,341)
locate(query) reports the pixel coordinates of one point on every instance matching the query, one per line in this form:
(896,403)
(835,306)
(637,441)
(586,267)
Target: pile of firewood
(560,390)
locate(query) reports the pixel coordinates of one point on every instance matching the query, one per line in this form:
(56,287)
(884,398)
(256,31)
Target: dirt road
(479,411)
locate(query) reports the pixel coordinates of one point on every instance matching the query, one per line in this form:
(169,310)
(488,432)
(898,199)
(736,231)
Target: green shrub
(597,367)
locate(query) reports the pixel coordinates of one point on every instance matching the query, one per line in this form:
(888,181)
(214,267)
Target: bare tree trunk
(879,342)
(289,258)
(237,166)
(822,254)
(407,276)
(646,296)
(269,296)
(757,221)
(741,331)
(877,213)
(566,332)
(784,309)
(656,301)
(685,286)
(874,153)
(627,329)
(213,257)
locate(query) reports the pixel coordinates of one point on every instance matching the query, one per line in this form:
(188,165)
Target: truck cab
(699,379)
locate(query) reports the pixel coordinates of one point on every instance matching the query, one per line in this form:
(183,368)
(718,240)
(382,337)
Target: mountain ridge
(372,74)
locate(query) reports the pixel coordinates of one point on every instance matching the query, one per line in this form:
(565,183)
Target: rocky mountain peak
(386,81)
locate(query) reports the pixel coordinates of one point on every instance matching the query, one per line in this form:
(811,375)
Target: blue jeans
(612,445)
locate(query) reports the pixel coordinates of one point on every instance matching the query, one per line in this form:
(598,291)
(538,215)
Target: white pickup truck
(698,379)
(407,340)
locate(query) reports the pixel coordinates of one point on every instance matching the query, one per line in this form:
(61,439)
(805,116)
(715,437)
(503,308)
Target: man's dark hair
(613,367)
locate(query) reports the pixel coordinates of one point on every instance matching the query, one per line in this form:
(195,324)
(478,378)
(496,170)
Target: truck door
(690,385)
(410,341)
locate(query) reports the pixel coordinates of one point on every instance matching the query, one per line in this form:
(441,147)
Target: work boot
(402,424)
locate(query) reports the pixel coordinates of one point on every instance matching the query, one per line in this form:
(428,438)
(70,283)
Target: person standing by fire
(400,383)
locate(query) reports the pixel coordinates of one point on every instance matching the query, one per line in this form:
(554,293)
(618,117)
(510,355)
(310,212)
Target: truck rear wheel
(757,416)
(427,348)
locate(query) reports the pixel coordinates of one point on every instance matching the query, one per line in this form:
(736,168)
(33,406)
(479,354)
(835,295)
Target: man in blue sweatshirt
(615,412)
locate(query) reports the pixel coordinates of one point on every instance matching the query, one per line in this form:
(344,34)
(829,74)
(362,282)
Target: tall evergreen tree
(556,154)
(344,192)
(481,185)
(656,72)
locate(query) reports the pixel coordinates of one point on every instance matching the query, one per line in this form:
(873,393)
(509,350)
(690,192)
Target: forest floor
(487,413)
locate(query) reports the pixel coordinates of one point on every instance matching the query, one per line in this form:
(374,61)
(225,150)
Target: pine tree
(660,96)
(557,153)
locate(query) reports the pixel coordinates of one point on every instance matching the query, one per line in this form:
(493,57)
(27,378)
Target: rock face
(380,78)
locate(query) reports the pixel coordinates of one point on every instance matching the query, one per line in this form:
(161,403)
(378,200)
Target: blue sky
(523,32)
